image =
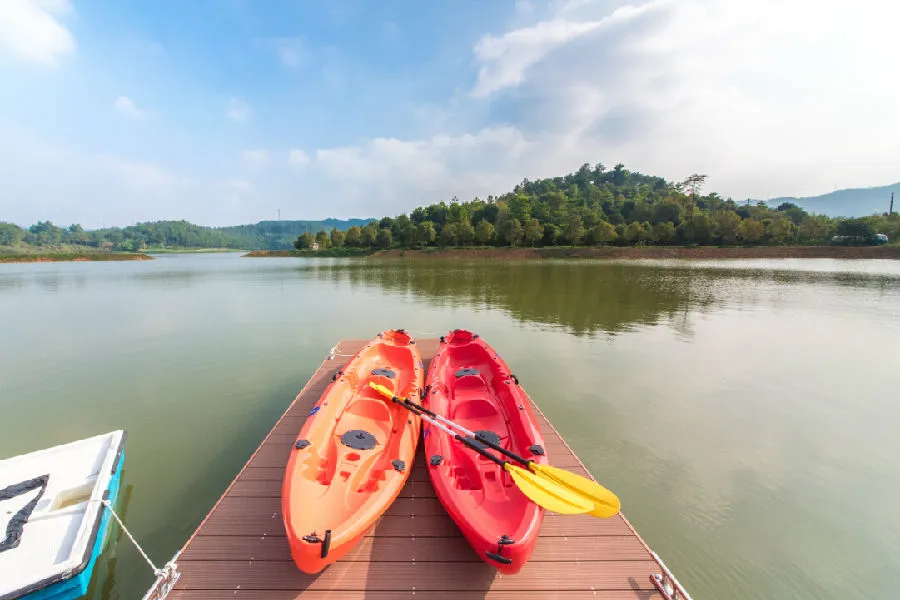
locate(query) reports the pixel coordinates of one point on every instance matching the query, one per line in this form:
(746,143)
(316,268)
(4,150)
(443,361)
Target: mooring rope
(156,571)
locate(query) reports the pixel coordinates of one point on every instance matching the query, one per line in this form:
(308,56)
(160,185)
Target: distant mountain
(859,202)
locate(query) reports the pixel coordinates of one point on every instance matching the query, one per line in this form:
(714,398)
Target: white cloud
(125,106)
(297,157)
(393,176)
(256,157)
(31,29)
(291,51)
(238,110)
(505,59)
(769,98)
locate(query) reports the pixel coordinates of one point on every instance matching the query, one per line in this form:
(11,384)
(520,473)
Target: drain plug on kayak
(359,439)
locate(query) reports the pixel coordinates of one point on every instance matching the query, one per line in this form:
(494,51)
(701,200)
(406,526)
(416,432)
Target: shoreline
(610,252)
(72,257)
(327,253)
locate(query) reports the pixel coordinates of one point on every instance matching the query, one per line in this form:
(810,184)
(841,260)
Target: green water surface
(747,413)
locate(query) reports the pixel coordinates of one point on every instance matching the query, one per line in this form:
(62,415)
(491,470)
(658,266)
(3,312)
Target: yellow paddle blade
(605,503)
(381,389)
(547,493)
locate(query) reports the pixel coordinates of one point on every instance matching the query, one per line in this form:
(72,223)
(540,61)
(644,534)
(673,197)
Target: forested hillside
(265,235)
(596,206)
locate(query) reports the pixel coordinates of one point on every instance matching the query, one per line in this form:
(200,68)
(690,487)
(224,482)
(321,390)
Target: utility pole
(891,210)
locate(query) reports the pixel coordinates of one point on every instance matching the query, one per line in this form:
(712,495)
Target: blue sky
(224,111)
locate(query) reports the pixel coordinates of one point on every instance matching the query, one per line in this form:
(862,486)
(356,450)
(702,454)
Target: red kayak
(469,384)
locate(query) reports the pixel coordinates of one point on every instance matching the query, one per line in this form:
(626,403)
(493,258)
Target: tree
(813,229)
(634,233)
(425,233)
(512,232)
(449,235)
(405,230)
(855,228)
(369,234)
(793,212)
(465,232)
(337,238)
(484,232)
(354,236)
(667,210)
(696,230)
(602,233)
(663,233)
(10,233)
(750,231)
(304,241)
(322,239)
(384,238)
(551,234)
(726,226)
(534,231)
(694,183)
(574,230)
(779,230)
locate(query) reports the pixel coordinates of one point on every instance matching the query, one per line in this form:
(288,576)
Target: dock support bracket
(165,581)
(666,583)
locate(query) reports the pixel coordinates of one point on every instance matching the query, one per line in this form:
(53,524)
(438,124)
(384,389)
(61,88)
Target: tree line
(265,235)
(596,206)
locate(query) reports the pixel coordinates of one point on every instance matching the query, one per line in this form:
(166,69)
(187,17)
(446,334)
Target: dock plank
(242,594)
(262,516)
(419,549)
(415,550)
(463,576)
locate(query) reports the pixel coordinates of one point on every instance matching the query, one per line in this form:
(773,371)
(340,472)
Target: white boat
(53,521)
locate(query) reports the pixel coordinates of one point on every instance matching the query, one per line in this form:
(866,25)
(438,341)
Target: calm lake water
(747,413)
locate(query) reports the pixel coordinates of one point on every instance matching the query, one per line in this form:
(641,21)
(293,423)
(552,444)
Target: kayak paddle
(578,491)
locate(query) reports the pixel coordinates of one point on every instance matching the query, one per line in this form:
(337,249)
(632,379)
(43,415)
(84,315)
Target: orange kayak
(353,454)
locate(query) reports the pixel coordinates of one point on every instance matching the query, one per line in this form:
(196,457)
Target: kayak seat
(479,414)
(465,473)
(469,386)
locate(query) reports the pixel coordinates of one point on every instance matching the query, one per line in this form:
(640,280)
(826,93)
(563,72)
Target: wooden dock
(414,551)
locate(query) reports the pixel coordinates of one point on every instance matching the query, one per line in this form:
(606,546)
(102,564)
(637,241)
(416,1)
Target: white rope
(156,571)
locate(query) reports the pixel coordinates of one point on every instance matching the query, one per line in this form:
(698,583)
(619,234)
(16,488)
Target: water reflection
(586,298)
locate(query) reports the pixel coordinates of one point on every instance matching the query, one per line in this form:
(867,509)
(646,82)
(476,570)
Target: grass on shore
(326,253)
(72,257)
(21,252)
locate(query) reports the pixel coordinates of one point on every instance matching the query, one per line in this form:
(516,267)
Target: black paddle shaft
(468,441)
(409,403)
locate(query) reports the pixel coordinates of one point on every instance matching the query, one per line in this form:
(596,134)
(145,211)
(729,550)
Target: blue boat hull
(77,585)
